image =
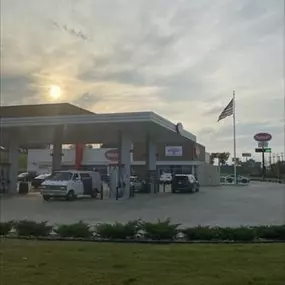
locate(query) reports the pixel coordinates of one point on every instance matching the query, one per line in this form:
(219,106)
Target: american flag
(228,111)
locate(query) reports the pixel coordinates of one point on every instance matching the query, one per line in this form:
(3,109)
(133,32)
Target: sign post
(263,163)
(262,139)
(246,155)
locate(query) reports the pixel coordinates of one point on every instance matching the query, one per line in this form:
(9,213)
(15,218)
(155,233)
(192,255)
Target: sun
(55,92)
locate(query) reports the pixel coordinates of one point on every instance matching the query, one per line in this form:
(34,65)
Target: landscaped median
(28,258)
(32,262)
(139,231)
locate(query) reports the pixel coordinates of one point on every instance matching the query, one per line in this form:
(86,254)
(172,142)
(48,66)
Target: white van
(71,184)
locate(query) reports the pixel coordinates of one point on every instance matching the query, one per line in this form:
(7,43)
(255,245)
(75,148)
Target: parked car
(38,180)
(222,179)
(71,184)
(166,178)
(184,183)
(26,176)
(135,184)
(240,179)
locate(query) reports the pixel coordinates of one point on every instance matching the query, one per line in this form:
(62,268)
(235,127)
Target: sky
(181,59)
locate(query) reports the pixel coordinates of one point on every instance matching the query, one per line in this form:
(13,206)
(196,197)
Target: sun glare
(55,92)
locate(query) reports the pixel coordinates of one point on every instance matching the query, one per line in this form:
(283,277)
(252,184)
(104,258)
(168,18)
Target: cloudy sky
(181,59)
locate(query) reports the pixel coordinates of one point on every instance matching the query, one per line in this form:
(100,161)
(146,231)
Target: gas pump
(117,181)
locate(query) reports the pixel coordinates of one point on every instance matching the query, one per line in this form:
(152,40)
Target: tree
(223,157)
(213,156)
(23,159)
(238,161)
(249,162)
(277,169)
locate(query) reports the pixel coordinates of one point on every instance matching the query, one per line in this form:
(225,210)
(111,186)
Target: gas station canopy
(81,126)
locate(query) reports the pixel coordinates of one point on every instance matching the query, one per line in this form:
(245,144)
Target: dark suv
(184,183)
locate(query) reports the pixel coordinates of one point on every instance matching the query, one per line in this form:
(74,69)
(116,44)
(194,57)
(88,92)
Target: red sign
(112,154)
(262,137)
(79,150)
(197,151)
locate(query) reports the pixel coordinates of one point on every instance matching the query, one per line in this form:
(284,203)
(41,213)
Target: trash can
(23,188)
(146,187)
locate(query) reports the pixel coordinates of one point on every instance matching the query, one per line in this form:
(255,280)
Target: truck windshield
(21,175)
(61,176)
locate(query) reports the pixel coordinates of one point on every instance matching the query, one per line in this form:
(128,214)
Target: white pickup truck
(71,184)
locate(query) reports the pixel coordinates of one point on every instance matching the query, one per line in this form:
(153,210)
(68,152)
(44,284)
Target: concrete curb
(237,185)
(270,180)
(142,241)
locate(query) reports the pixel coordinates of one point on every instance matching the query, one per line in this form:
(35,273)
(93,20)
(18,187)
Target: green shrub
(77,230)
(31,228)
(271,232)
(237,234)
(161,230)
(217,233)
(118,230)
(244,234)
(201,233)
(6,227)
(226,233)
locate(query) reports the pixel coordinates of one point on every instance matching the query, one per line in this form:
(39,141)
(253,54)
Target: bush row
(160,230)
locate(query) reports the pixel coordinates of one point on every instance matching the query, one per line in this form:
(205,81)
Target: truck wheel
(46,198)
(230,180)
(70,196)
(173,190)
(197,188)
(94,194)
(193,189)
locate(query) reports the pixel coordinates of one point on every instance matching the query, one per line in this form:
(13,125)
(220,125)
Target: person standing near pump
(4,183)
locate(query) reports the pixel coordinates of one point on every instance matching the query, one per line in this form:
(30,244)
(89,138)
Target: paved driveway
(258,203)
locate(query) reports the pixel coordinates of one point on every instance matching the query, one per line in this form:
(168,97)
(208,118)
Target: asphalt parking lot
(255,204)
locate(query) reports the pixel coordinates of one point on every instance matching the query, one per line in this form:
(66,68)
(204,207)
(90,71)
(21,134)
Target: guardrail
(232,183)
(272,180)
(259,179)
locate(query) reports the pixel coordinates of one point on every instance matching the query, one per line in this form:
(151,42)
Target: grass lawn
(68,263)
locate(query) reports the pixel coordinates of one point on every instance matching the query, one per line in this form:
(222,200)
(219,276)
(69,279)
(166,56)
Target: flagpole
(234,133)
